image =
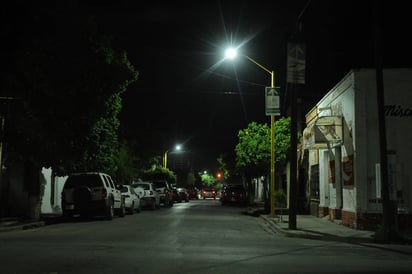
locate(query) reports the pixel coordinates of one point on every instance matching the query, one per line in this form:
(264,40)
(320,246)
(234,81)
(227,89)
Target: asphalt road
(196,237)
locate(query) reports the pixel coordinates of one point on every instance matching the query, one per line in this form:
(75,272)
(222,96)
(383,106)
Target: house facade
(342,148)
(15,197)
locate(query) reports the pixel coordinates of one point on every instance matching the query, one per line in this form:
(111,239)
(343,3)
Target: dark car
(174,194)
(235,194)
(193,193)
(165,192)
(182,194)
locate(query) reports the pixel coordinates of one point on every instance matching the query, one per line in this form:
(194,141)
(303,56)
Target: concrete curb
(13,227)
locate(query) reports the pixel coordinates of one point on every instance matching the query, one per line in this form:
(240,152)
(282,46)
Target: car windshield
(144,186)
(90,180)
(124,189)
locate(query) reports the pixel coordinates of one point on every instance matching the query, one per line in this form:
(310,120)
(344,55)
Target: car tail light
(104,193)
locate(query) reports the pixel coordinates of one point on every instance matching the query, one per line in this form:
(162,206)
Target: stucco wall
(355,99)
(46,204)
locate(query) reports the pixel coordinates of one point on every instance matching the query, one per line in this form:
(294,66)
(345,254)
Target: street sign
(272,101)
(296,63)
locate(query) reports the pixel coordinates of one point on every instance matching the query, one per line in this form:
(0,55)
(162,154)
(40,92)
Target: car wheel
(122,210)
(154,206)
(109,211)
(131,210)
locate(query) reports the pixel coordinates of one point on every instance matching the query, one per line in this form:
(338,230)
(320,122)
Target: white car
(149,197)
(91,193)
(131,198)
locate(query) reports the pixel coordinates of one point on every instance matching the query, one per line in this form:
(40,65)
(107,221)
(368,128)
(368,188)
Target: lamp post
(231,53)
(177,148)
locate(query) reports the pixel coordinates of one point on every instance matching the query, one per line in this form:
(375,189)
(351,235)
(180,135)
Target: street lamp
(176,148)
(230,54)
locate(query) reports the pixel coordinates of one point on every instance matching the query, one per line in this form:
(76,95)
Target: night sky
(186,94)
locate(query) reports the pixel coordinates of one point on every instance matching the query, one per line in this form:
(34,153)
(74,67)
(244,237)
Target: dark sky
(187,95)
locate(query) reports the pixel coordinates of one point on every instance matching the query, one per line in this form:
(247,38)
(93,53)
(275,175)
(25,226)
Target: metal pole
(272,140)
(272,154)
(165,159)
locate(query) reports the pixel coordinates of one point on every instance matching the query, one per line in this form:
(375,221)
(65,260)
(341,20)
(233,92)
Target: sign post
(272,101)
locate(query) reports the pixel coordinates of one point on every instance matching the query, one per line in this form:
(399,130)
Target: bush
(280,198)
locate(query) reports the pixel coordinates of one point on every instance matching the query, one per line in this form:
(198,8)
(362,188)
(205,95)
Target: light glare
(231,53)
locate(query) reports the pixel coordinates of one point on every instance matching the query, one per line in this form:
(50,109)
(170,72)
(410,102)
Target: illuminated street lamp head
(178,147)
(230,53)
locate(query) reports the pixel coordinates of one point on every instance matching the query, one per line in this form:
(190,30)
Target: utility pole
(295,78)
(388,206)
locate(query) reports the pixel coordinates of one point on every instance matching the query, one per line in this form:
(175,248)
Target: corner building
(341,149)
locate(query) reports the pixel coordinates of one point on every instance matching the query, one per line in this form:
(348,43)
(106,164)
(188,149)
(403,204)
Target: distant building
(342,147)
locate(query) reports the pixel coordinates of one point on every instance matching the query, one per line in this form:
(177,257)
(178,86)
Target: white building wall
(367,133)
(355,99)
(397,86)
(398,95)
(46,204)
(340,102)
(324,193)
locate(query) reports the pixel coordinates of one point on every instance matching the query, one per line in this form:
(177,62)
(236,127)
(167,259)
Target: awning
(325,131)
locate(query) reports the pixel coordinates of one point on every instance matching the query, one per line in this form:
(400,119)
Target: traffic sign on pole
(272,101)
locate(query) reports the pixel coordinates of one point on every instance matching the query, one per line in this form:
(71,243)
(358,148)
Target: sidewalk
(10,224)
(311,227)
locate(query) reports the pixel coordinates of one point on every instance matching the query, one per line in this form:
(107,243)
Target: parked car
(208,192)
(165,192)
(91,193)
(131,199)
(235,194)
(174,194)
(149,197)
(193,193)
(182,195)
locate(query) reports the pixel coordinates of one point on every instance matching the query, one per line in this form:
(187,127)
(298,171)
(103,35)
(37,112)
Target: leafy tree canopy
(253,150)
(207,180)
(159,173)
(68,84)
(223,167)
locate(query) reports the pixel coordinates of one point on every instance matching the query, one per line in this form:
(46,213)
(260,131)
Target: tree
(207,180)
(126,166)
(159,173)
(191,179)
(67,84)
(253,150)
(223,167)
